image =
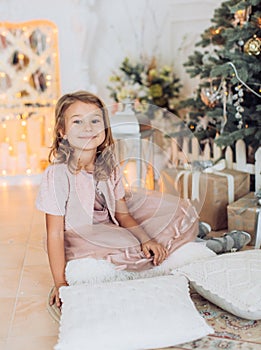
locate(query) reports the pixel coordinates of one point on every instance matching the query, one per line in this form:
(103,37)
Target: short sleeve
(119,190)
(53,192)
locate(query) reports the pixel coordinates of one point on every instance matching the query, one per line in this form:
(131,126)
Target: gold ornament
(253,46)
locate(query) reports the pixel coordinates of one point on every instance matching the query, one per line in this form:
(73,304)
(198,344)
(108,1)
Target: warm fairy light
(125,171)
(20,133)
(215,31)
(240,12)
(246,126)
(27,182)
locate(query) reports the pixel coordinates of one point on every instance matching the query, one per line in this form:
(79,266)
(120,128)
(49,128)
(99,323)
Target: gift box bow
(199,167)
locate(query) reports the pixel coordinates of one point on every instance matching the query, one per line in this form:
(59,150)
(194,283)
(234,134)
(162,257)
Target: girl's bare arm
(56,254)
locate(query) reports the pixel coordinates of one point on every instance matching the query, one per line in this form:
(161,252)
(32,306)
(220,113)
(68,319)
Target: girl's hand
(152,248)
(54,296)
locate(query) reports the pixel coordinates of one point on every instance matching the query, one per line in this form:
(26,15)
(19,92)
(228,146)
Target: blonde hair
(62,152)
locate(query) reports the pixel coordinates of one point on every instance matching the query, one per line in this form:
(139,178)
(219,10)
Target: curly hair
(62,152)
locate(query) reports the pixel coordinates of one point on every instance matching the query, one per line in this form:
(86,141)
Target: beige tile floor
(25,278)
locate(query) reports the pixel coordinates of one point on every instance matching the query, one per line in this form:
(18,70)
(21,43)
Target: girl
(87,211)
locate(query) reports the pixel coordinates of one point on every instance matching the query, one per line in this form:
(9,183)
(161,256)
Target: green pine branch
(209,63)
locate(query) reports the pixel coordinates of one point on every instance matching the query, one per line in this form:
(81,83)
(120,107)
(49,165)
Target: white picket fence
(190,151)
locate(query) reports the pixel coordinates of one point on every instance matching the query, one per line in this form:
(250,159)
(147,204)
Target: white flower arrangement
(145,83)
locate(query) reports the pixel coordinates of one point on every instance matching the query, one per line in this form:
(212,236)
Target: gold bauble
(253,46)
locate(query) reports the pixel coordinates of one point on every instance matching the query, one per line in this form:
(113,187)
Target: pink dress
(90,227)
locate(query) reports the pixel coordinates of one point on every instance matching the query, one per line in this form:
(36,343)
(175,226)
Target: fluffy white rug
(93,271)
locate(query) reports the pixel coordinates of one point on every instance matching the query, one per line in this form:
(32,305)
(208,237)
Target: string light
(16,143)
(241,81)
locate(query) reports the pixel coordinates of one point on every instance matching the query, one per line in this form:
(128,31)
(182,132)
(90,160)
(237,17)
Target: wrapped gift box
(212,191)
(242,215)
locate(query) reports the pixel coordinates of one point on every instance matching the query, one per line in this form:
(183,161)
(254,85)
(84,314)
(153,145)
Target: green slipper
(230,242)
(53,310)
(241,238)
(203,229)
(220,245)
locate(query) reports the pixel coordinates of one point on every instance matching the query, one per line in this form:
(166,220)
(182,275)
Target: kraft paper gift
(214,191)
(242,215)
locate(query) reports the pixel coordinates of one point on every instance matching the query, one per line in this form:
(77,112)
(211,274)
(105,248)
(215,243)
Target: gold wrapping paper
(242,215)
(213,190)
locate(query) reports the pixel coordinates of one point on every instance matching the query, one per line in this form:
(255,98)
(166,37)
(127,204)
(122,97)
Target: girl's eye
(77,121)
(96,120)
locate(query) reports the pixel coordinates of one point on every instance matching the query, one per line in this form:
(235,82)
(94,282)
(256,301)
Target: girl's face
(84,126)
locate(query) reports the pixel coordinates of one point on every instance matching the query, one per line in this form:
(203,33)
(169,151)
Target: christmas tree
(226,106)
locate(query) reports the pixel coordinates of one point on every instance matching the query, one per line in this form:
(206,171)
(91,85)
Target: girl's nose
(87,125)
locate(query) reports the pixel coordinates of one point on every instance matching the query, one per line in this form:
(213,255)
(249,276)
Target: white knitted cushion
(232,281)
(129,315)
